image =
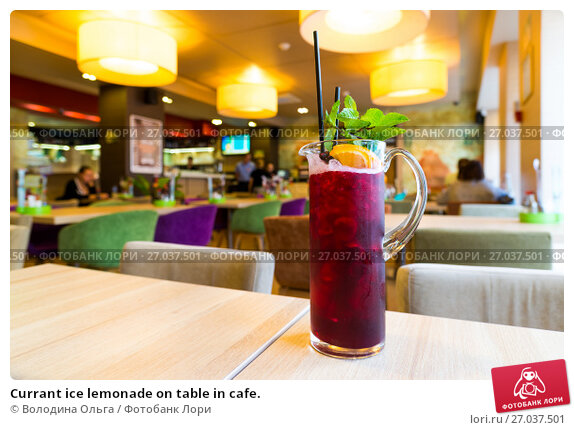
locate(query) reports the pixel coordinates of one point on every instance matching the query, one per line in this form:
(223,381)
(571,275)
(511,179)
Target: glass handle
(398,237)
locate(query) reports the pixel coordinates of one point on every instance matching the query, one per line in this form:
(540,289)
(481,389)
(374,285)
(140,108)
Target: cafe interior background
(480,70)
(486,54)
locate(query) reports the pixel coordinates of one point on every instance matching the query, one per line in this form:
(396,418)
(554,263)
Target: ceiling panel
(210,58)
(282,81)
(225,22)
(262,45)
(442,24)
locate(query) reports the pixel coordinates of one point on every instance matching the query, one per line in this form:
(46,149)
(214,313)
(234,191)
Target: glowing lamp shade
(356,31)
(127,53)
(409,83)
(247,101)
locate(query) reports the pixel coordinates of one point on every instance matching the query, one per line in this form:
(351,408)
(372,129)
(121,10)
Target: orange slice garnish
(355,156)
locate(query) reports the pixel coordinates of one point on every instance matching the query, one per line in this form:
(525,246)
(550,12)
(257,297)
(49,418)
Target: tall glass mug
(349,248)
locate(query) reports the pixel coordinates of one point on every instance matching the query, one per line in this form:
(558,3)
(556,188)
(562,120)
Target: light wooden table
(417,347)
(64,216)
(236,203)
(70,323)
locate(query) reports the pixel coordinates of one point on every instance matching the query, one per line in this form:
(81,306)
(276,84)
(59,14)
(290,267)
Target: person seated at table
(256,180)
(189,165)
(453,176)
(243,171)
(83,187)
(462,163)
(270,168)
(471,186)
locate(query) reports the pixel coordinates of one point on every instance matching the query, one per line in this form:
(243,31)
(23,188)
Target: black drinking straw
(319,89)
(337,98)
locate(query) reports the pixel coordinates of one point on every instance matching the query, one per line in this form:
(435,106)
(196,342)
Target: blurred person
(256,180)
(243,171)
(452,177)
(189,165)
(471,186)
(83,187)
(462,163)
(270,169)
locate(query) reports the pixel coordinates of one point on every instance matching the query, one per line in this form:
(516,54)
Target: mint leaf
(330,134)
(384,133)
(393,118)
(334,112)
(354,124)
(346,133)
(374,116)
(350,103)
(328,121)
(348,113)
(328,145)
(374,124)
(350,119)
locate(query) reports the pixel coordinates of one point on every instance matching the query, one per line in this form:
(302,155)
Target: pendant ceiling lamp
(127,53)
(247,101)
(359,31)
(409,82)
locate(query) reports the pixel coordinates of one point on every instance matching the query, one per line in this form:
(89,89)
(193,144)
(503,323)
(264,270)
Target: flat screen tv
(235,145)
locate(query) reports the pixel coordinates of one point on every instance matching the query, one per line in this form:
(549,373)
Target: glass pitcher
(349,248)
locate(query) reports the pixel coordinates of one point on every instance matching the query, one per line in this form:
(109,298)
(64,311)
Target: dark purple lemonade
(347,267)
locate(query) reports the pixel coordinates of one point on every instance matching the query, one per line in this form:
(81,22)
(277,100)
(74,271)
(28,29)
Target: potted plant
(126,188)
(164,191)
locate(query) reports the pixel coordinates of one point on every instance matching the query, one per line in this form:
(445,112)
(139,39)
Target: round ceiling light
(127,53)
(358,31)
(409,83)
(361,22)
(247,101)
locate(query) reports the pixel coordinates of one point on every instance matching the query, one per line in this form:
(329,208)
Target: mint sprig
(373,124)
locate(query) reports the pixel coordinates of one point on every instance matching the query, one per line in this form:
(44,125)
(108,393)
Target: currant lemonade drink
(348,242)
(347,265)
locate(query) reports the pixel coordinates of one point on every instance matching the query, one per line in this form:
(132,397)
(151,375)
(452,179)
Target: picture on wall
(439,160)
(146,147)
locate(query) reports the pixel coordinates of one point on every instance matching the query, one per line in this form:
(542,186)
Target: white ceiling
(220,47)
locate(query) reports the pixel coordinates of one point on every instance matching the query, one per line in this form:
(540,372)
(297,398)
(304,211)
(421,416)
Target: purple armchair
(293,207)
(43,239)
(187,227)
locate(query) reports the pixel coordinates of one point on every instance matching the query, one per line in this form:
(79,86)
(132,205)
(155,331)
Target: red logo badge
(529,386)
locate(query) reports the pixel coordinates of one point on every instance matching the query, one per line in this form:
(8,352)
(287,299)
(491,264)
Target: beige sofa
(19,240)
(514,296)
(227,268)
